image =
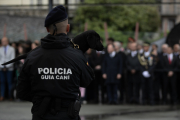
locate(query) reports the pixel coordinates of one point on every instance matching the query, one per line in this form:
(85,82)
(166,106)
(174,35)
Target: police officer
(147,66)
(52,73)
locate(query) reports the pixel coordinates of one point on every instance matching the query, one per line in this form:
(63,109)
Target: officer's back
(52,73)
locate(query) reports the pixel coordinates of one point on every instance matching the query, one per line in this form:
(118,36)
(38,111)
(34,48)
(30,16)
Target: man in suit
(6,53)
(178,78)
(122,86)
(147,62)
(133,74)
(97,59)
(169,65)
(157,73)
(176,50)
(112,70)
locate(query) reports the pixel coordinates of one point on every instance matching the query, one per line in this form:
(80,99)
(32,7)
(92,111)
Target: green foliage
(118,18)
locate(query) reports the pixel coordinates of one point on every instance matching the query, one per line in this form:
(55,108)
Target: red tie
(169,59)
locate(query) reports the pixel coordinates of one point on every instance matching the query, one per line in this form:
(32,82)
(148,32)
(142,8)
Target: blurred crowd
(136,74)
(9,73)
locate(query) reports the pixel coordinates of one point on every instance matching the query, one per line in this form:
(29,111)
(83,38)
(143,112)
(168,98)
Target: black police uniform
(52,74)
(55,70)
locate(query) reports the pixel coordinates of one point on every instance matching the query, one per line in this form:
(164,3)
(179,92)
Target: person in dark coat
(52,73)
(97,59)
(159,66)
(112,70)
(157,74)
(122,84)
(170,65)
(178,78)
(176,49)
(133,74)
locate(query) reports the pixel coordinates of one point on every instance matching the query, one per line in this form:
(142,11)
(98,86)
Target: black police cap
(57,14)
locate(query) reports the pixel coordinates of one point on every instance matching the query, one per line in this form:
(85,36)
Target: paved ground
(21,111)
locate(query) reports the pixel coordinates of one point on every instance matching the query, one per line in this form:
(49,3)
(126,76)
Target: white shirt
(100,52)
(133,53)
(146,54)
(170,56)
(112,54)
(140,51)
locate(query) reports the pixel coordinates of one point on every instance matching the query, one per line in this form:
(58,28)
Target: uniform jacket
(112,67)
(10,54)
(150,63)
(55,69)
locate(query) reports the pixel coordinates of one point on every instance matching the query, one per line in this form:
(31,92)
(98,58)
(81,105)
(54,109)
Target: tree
(118,18)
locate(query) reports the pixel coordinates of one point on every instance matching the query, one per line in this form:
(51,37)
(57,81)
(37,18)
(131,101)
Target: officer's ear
(68,28)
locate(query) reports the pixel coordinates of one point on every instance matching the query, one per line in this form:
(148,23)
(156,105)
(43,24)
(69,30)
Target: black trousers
(177,86)
(99,83)
(169,84)
(147,90)
(122,87)
(157,86)
(59,116)
(134,82)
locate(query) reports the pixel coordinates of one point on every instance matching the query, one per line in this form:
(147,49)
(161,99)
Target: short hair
(61,26)
(117,43)
(111,39)
(140,42)
(165,45)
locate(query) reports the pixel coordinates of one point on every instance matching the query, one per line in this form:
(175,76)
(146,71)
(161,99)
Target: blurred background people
(112,70)
(34,45)
(178,78)
(169,65)
(147,67)
(133,75)
(176,49)
(122,85)
(97,60)
(109,41)
(140,47)
(6,53)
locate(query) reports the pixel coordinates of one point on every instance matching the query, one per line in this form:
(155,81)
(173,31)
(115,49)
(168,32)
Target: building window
(39,2)
(56,1)
(31,2)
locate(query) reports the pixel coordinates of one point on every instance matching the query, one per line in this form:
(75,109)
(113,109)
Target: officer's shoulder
(77,52)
